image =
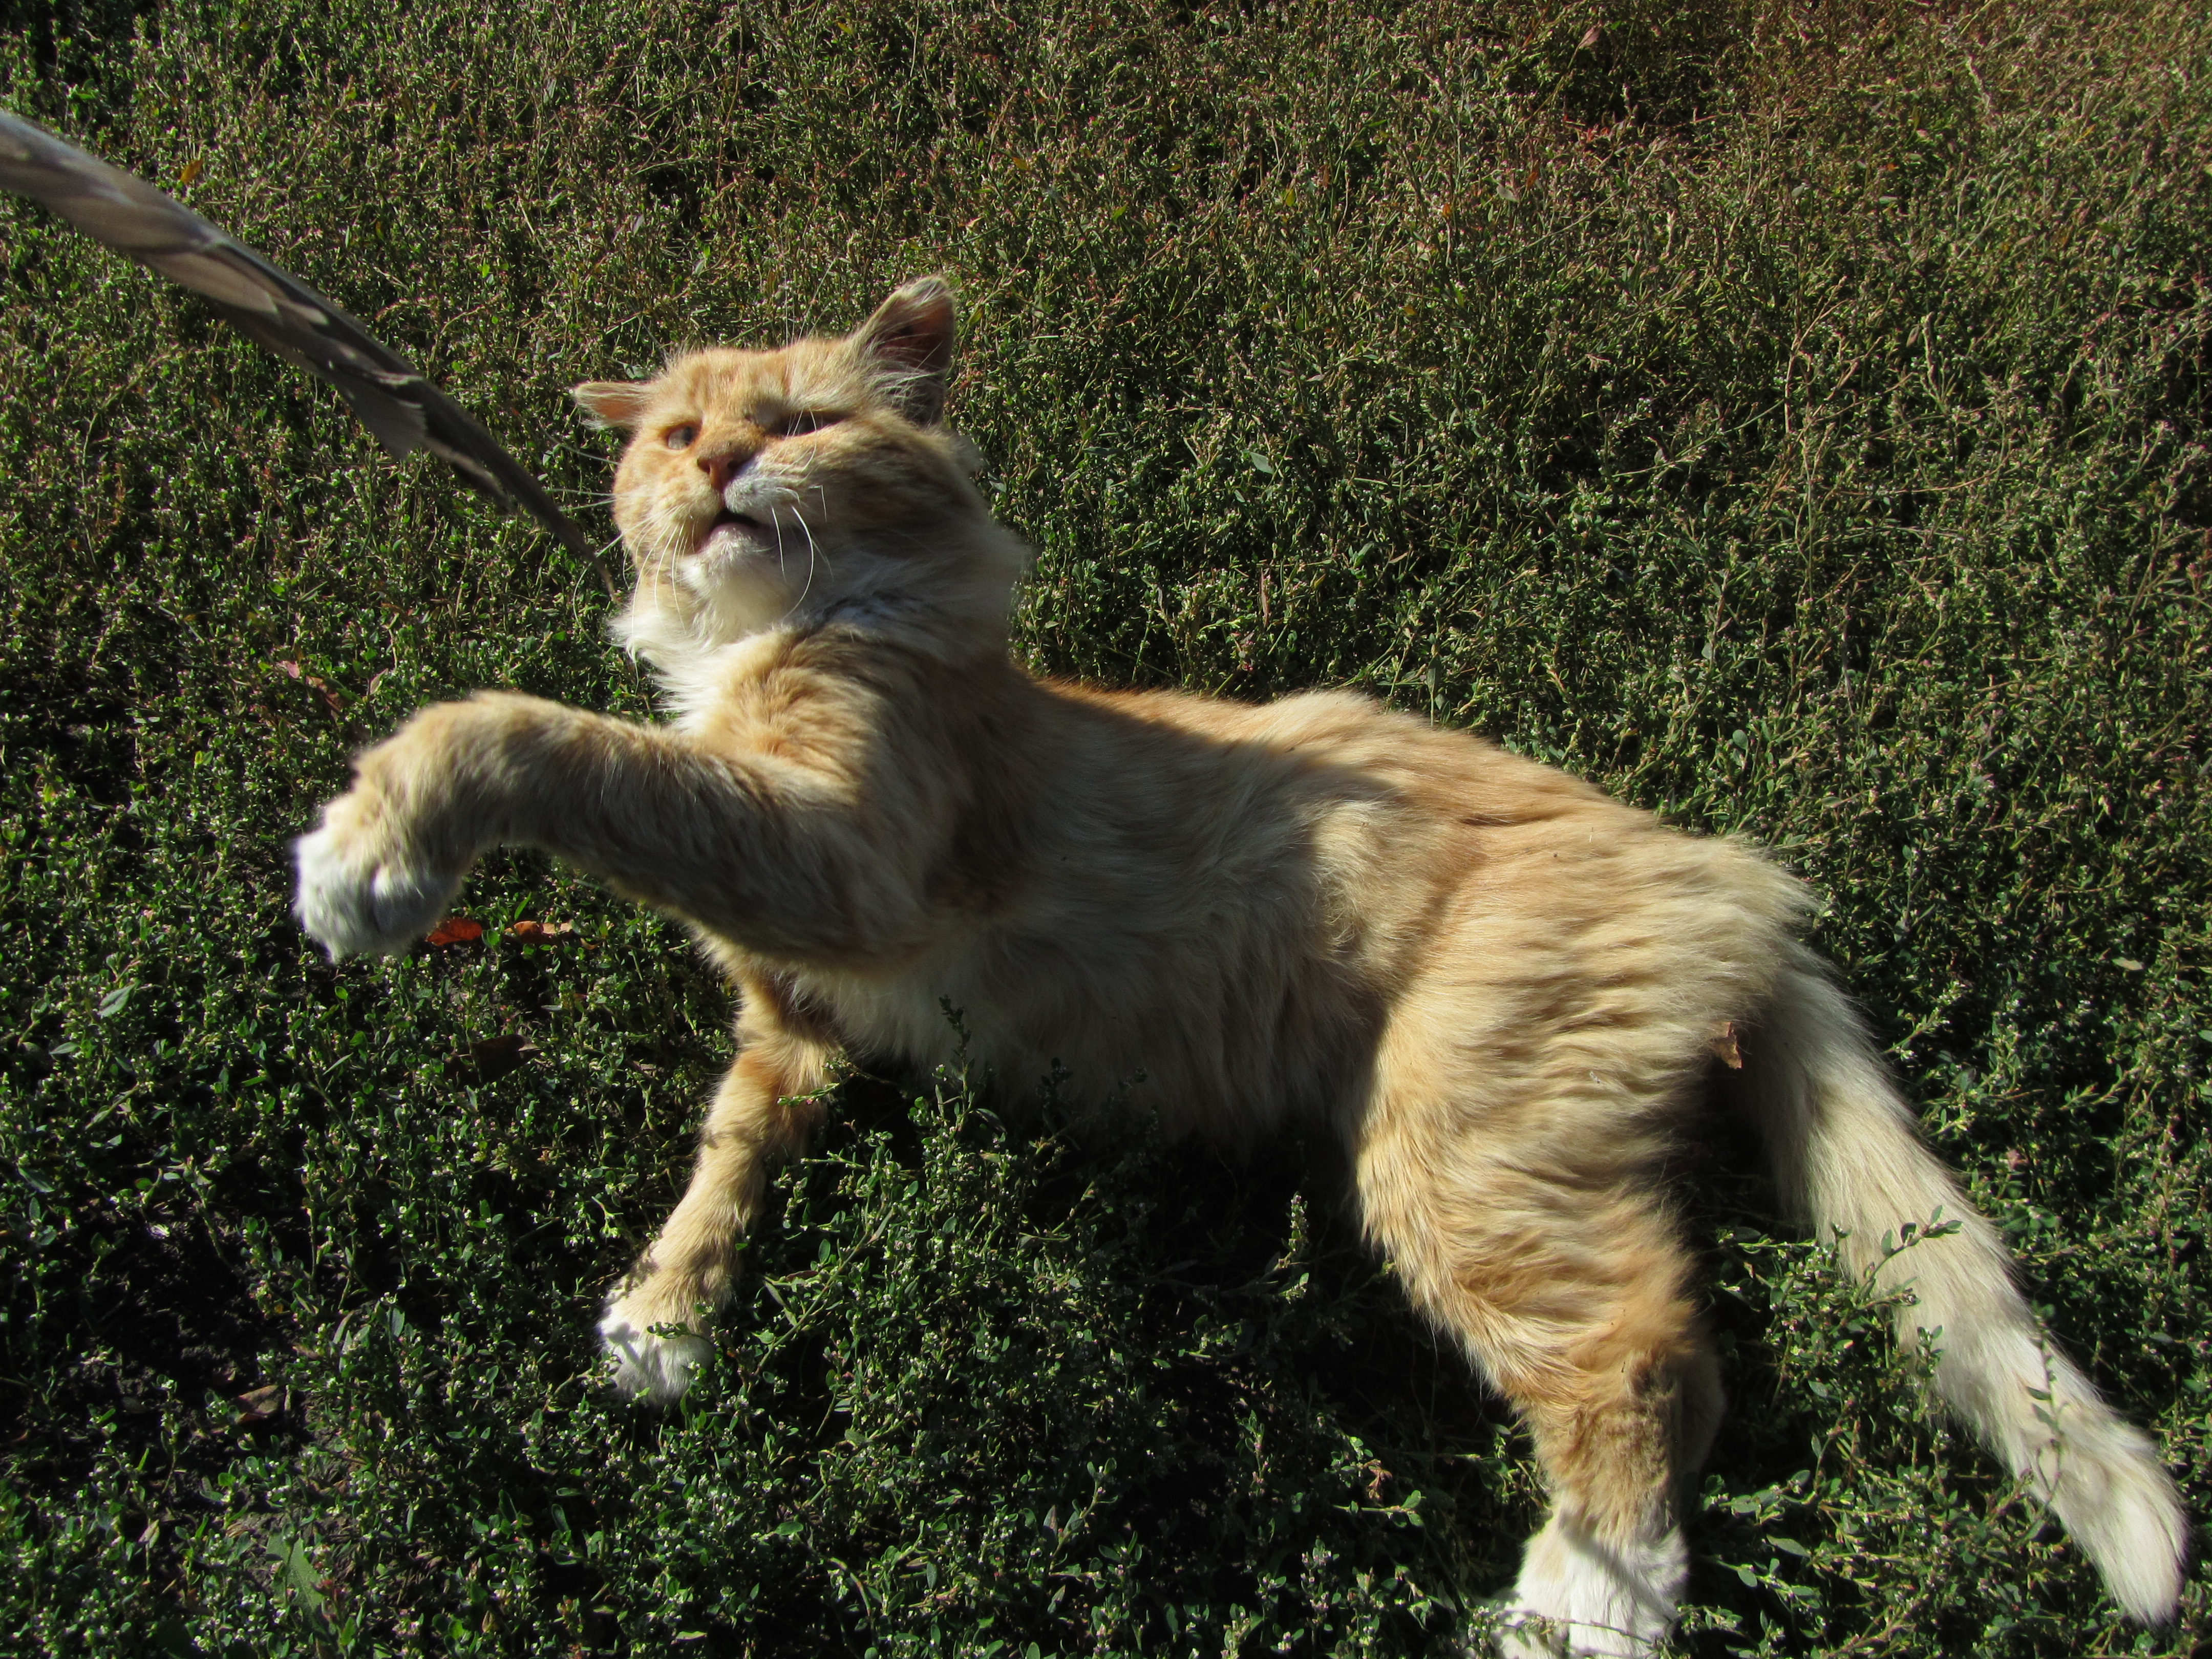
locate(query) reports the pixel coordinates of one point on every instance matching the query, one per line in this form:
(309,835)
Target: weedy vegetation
(1791,415)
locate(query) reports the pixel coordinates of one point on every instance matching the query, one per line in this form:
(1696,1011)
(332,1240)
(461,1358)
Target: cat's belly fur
(1239,938)
(1233,1060)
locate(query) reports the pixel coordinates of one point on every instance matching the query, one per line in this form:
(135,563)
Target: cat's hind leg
(766,1106)
(1566,1284)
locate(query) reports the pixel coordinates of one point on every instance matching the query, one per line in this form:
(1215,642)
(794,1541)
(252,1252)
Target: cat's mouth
(740,529)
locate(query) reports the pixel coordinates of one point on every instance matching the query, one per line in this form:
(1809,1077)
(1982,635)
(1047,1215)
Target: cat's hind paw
(352,901)
(659,1367)
(1580,1598)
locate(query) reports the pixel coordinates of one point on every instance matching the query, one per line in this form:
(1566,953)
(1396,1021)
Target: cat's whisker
(775,518)
(811,552)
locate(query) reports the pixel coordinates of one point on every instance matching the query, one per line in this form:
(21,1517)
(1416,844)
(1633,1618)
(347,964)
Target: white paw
(354,902)
(657,1367)
(1582,1598)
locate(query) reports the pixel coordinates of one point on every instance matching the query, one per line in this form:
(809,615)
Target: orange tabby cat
(1500,989)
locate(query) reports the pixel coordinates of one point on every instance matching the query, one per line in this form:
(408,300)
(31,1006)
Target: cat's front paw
(361,892)
(658,1367)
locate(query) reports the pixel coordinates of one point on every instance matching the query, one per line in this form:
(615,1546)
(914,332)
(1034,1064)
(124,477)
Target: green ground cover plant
(1789,416)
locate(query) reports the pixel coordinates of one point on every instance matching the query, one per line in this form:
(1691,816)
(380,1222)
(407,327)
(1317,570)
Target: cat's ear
(908,346)
(619,404)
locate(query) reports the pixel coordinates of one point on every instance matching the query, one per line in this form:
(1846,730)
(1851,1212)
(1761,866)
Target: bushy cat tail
(1848,1160)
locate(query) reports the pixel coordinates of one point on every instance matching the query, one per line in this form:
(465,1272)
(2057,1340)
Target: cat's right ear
(909,344)
(616,403)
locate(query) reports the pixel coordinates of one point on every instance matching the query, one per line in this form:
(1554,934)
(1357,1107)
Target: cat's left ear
(908,343)
(616,403)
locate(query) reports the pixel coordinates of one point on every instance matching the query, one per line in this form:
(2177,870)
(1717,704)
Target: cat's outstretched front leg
(369,883)
(389,854)
(815,851)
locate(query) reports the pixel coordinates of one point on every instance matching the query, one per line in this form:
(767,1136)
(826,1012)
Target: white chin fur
(353,907)
(1578,1597)
(727,591)
(658,1367)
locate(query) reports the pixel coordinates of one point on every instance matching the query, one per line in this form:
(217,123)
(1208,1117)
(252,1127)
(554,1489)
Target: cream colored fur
(1499,988)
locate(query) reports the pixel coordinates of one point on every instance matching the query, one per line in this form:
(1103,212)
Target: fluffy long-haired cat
(1500,989)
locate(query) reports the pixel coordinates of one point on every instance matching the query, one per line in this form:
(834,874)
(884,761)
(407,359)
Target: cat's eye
(680,437)
(800,421)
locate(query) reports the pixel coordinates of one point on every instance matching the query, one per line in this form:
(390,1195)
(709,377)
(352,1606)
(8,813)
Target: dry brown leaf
(455,930)
(493,1058)
(1377,1479)
(259,1405)
(541,932)
(320,686)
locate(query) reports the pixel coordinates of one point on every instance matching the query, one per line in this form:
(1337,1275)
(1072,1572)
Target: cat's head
(762,489)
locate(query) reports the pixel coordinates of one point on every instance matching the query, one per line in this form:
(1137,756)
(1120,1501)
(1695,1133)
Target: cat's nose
(720,466)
